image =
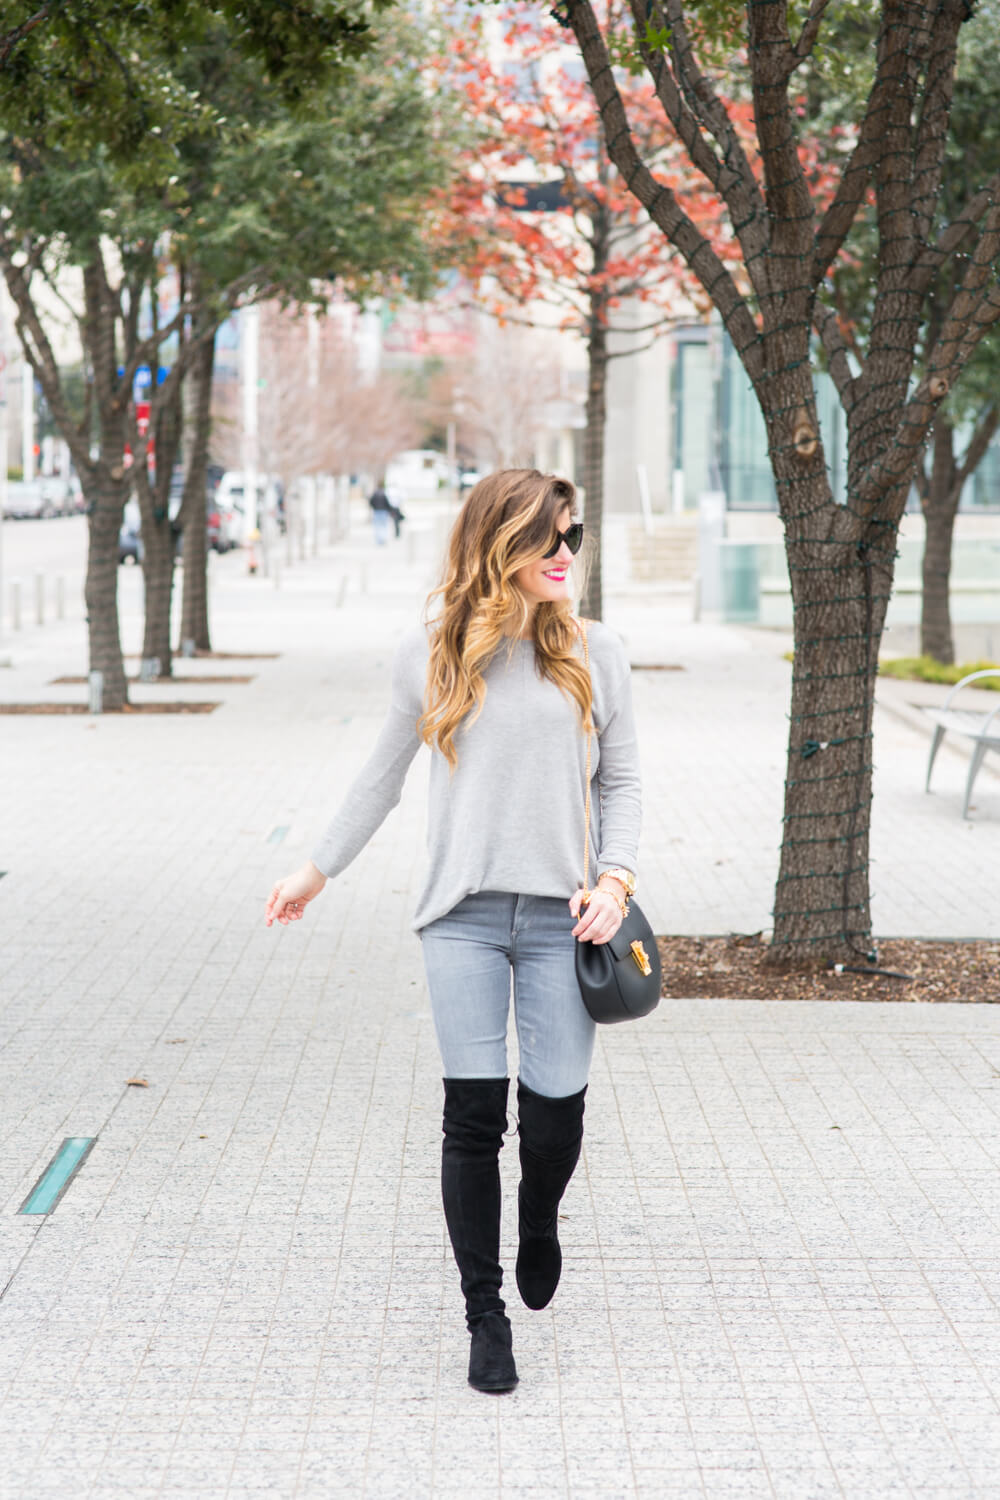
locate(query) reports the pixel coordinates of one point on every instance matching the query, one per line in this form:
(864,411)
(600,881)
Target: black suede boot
(475,1117)
(551,1132)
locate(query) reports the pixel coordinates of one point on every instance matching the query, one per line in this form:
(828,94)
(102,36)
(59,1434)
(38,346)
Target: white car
(230,501)
(419,474)
(47,495)
(29,499)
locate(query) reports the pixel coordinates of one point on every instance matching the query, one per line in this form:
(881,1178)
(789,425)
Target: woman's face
(545,581)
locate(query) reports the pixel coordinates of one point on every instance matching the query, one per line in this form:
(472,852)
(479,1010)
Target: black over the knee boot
(551,1131)
(475,1117)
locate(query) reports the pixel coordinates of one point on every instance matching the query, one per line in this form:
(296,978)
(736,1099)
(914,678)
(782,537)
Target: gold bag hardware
(641,957)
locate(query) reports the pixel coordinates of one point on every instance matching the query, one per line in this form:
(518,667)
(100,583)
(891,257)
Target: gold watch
(625,878)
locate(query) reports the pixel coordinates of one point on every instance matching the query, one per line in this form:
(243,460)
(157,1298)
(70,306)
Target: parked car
(42,497)
(217,529)
(230,501)
(419,474)
(220,529)
(48,495)
(130,534)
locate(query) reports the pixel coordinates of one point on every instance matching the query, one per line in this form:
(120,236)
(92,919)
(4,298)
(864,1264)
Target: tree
(966,421)
(543,223)
(841,558)
(318,172)
(504,397)
(281,204)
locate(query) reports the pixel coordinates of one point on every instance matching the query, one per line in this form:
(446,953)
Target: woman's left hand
(601,917)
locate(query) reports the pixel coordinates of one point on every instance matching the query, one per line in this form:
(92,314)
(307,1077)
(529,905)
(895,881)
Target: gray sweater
(511,816)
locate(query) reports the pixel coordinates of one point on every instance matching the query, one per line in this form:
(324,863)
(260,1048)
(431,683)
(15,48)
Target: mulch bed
(130,708)
(731,968)
(220,656)
(155,681)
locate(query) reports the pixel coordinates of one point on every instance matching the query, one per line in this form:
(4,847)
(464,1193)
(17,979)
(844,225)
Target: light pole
(27,421)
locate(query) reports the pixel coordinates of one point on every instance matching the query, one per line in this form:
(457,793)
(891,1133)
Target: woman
(504,686)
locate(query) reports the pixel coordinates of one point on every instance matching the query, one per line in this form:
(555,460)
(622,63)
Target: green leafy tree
(261,201)
(841,557)
(279,205)
(966,420)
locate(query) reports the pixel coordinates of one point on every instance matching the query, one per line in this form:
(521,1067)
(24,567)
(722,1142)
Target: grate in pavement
(58,1175)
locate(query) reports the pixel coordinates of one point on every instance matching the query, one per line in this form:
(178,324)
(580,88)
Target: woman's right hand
(292,895)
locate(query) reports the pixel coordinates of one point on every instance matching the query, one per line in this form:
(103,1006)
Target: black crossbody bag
(619,980)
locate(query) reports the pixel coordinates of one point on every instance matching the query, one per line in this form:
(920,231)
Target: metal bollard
(95,684)
(39,598)
(15,604)
(187,646)
(60,597)
(149,669)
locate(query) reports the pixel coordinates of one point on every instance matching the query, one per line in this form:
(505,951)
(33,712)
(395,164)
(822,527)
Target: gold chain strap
(590,736)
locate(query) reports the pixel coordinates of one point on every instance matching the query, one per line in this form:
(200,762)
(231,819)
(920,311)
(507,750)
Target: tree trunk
(194,606)
(840,567)
(822,908)
(597,360)
(158,543)
(159,535)
(592,603)
(105,499)
(940,503)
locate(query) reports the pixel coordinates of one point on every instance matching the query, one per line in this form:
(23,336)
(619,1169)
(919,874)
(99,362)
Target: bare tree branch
(898,459)
(40,355)
(932,128)
(789,202)
(11,40)
(954,238)
(979,443)
(657,199)
(807,36)
(827,325)
(680,115)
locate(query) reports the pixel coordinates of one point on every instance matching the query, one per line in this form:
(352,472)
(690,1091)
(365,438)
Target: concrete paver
(780,1247)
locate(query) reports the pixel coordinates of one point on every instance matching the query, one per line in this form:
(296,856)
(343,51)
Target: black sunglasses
(572,536)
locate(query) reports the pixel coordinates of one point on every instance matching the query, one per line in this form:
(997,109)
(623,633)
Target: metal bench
(980,727)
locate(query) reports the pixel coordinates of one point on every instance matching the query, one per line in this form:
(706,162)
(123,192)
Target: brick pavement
(780,1248)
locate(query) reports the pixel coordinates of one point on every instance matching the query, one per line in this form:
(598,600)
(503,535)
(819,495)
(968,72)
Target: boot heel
(491,1358)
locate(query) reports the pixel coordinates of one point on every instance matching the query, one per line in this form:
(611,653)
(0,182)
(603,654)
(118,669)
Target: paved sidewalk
(781,1275)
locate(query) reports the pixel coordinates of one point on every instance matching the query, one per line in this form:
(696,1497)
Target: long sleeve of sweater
(511,816)
(378,787)
(618,783)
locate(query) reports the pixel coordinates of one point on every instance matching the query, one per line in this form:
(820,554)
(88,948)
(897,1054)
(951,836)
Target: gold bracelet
(620,901)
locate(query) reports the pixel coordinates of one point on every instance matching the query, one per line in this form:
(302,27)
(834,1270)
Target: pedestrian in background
(395,510)
(381,509)
(498,684)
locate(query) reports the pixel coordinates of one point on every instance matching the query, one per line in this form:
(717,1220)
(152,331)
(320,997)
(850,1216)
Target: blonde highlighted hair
(508,520)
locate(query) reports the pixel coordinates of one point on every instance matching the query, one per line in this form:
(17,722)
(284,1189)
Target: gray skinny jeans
(471,955)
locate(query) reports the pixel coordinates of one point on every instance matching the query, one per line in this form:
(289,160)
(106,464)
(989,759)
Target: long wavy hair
(508,520)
